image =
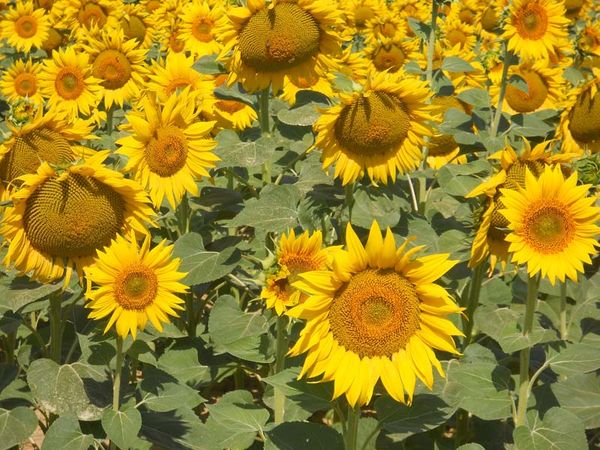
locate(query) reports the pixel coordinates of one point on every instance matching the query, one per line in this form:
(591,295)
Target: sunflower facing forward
(21,81)
(378,131)
(264,42)
(134,285)
(24,27)
(375,314)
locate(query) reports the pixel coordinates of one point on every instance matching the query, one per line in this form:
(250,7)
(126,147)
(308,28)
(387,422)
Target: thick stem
(498,114)
(431,44)
(183,215)
(349,201)
(56,327)
(532,292)
(422,194)
(109,120)
(263,106)
(472,302)
(351,436)
(281,350)
(563,311)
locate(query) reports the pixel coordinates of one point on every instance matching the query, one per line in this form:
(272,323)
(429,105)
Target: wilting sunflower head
(584,119)
(134,285)
(376,311)
(553,224)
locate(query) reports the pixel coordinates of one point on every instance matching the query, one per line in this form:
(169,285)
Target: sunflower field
(300,224)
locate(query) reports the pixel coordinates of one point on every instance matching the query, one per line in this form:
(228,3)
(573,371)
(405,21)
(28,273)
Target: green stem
(472,302)
(351,436)
(263,107)
(191,315)
(109,120)
(281,350)
(291,164)
(498,114)
(56,327)
(462,427)
(532,292)
(183,214)
(431,45)
(422,194)
(563,311)
(349,202)
(117,381)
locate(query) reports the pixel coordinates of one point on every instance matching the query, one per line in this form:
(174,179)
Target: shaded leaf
(303,436)
(16,426)
(580,394)
(558,430)
(122,427)
(65,433)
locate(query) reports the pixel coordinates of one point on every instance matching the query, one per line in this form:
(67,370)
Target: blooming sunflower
(263,43)
(168,148)
(390,53)
(386,25)
(553,224)
(60,220)
(199,24)
(21,81)
(536,29)
(133,285)
(176,72)
(375,313)
(138,24)
(589,40)
(458,33)
(379,130)
(84,14)
(24,27)
(359,12)
(295,256)
(67,81)
(442,149)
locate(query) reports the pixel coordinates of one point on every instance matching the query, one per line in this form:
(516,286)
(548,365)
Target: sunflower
(465,11)
(133,285)
(67,81)
(307,82)
(59,220)
(536,29)
(458,33)
(576,9)
(199,24)
(589,40)
(24,27)
(120,66)
(553,224)
(490,237)
(376,313)
(579,126)
(263,43)
(415,9)
(295,256)
(21,81)
(386,25)
(442,149)
(359,12)
(55,39)
(228,113)
(545,88)
(379,130)
(168,148)
(390,53)
(85,14)
(137,23)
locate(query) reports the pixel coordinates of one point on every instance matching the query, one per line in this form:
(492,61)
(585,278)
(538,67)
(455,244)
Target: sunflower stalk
(281,350)
(503,85)
(56,327)
(183,215)
(431,44)
(533,284)
(351,435)
(563,311)
(263,108)
(472,302)
(117,380)
(109,120)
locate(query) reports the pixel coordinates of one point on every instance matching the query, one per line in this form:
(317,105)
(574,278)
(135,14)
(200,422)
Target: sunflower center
(584,121)
(91,14)
(489,19)
(372,125)
(361,15)
(29,150)
(53,40)
(201,29)
(548,228)
(230,106)
(536,94)
(26,26)
(531,21)
(167,152)
(388,29)
(279,38)
(69,83)
(136,287)
(456,36)
(390,57)
(134,28)
(25,84)
(375,313)
(113,67)
(73,216)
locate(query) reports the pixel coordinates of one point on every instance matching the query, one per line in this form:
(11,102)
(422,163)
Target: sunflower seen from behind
(375,313)
(553,224)
(134,285)
(24,27)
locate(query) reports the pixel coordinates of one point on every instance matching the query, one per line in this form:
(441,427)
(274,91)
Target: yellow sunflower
(21,81)
(295,256)
(138,24)
(169,149)
(307,82)
(416,9)
(536,29)
(390,53)
(376,313)
(589,40)
(60,219)
(134,285)
(120,66)
(359,12)
(199,24)
(553,224)
(386,25)
(576,9)
(458,33)
(84,14)
(55,39)
(579,126)
(67,81)
(378,131)
(227,113)
(465,11)
(442,149)
(24,27)
(263,43)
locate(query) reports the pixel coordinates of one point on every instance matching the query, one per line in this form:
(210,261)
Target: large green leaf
(301,116)
(162,392)
(21,291)
(575,359)
(122,427)
(235,153)
(16,425)
(303,436)
(580,394)
(558,430)
(184,365)
(65,433)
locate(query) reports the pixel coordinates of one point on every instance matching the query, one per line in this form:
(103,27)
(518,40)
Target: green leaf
(456,64)
(476,97)
(558,430)
(575,359)
(207,64)
(71,388)
(177,430)
(371,205)
(518,82)
(122,427)
(580,394)
(16,425)
(183,364)
(303,436)
(203,266)
(21,291)
(65,433)
(235,153)
(482,388)
(163,393)
(301,116)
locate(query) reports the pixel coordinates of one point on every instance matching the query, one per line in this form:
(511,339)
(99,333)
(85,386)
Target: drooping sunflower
(24,27)
(55,39)
(536,29)
(579,126)
(263,43)
(376,313)
(59,220)
(120,66)
(169,148)
(199,24)
(378,131)
(295,256)
(442,149)
(134,285)
(21,81)
(553,224)
(68,83)
(490,237)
